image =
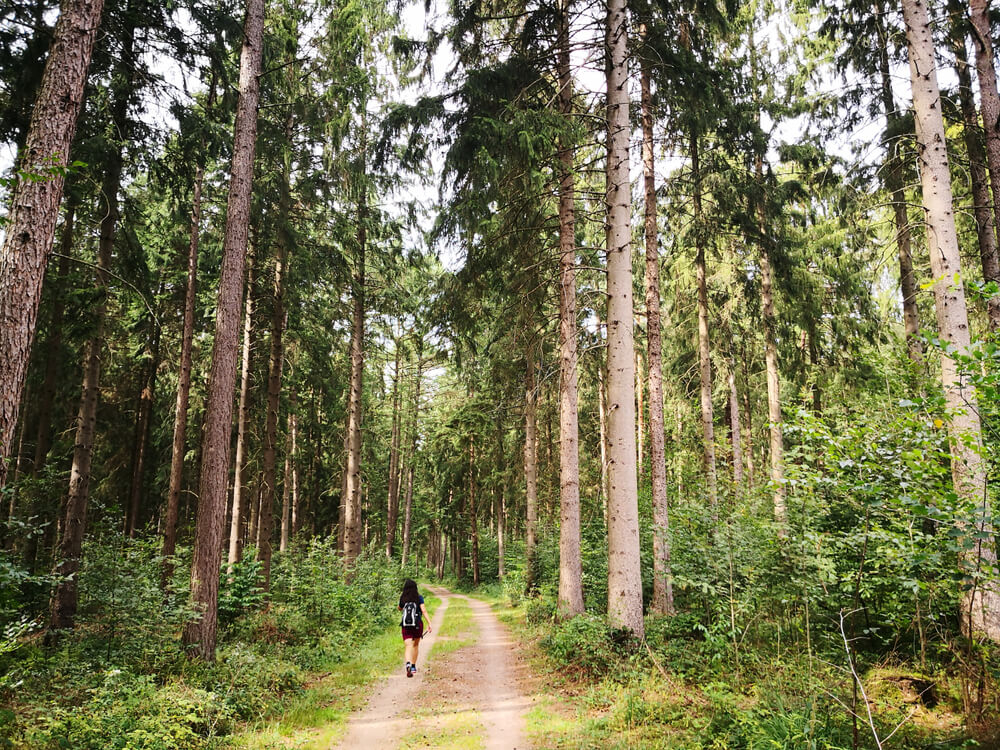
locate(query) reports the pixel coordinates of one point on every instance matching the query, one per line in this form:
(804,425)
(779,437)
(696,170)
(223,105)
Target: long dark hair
(410,593)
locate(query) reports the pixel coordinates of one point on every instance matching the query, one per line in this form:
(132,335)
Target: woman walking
(415,614)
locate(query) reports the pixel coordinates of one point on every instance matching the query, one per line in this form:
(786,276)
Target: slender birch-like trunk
(570,560)
(201,633)
(624,574)
(34,211)
(663,589)
(981,604)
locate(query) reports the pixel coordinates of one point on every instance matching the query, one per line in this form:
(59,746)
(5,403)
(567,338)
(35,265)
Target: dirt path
(469,697)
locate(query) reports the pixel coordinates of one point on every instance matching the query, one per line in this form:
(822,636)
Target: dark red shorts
(413,632)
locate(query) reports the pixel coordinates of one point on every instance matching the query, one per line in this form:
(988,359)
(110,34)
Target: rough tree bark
(201,633)
(981,604)
(624,575)
(570,560)
(663,588)
(34,209)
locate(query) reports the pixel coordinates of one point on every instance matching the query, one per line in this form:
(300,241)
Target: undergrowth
(121,678)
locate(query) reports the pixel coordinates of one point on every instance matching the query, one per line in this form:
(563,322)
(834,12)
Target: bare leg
(411,650)
(416,650)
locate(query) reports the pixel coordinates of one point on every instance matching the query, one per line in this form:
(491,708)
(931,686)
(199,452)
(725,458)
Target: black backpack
(411,615)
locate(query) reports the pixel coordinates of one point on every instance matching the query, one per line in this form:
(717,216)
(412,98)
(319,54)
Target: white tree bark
(981,605)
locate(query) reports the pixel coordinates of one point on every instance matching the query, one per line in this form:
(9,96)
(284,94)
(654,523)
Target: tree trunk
(183,387)
(704,346)
(352,508)
(773,395)
(286,488)
(530,472)
(734,430)
(640,411)
(989,102)
(201,633)
(473,511)
(663,589)
(570,561)
(392,510)
(500,490)
(624,573)
(602,397)
(146,400)
(240,479)
(34,211)
(296,509)
(894,184)
(411,468)
(748,442)
(985,223)
(276,361)
(53,357)
(64,598)
(980,605)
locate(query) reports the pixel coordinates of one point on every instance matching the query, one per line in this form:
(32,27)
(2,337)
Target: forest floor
(468,691)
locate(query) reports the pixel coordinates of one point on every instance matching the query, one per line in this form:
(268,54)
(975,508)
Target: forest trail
(468,696)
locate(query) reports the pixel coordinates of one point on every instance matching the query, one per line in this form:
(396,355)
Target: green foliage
(587,645)
(125,710)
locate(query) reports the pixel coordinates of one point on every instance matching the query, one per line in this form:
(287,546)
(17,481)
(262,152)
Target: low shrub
(585,644)
(131,711)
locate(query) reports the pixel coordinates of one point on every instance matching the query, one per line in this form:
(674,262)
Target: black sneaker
(413,669)
(409,670)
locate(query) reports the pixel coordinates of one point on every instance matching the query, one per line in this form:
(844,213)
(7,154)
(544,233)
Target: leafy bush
(539,609)
(586,644)
(130,711)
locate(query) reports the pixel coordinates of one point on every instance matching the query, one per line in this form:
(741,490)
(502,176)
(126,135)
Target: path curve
(488,685)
